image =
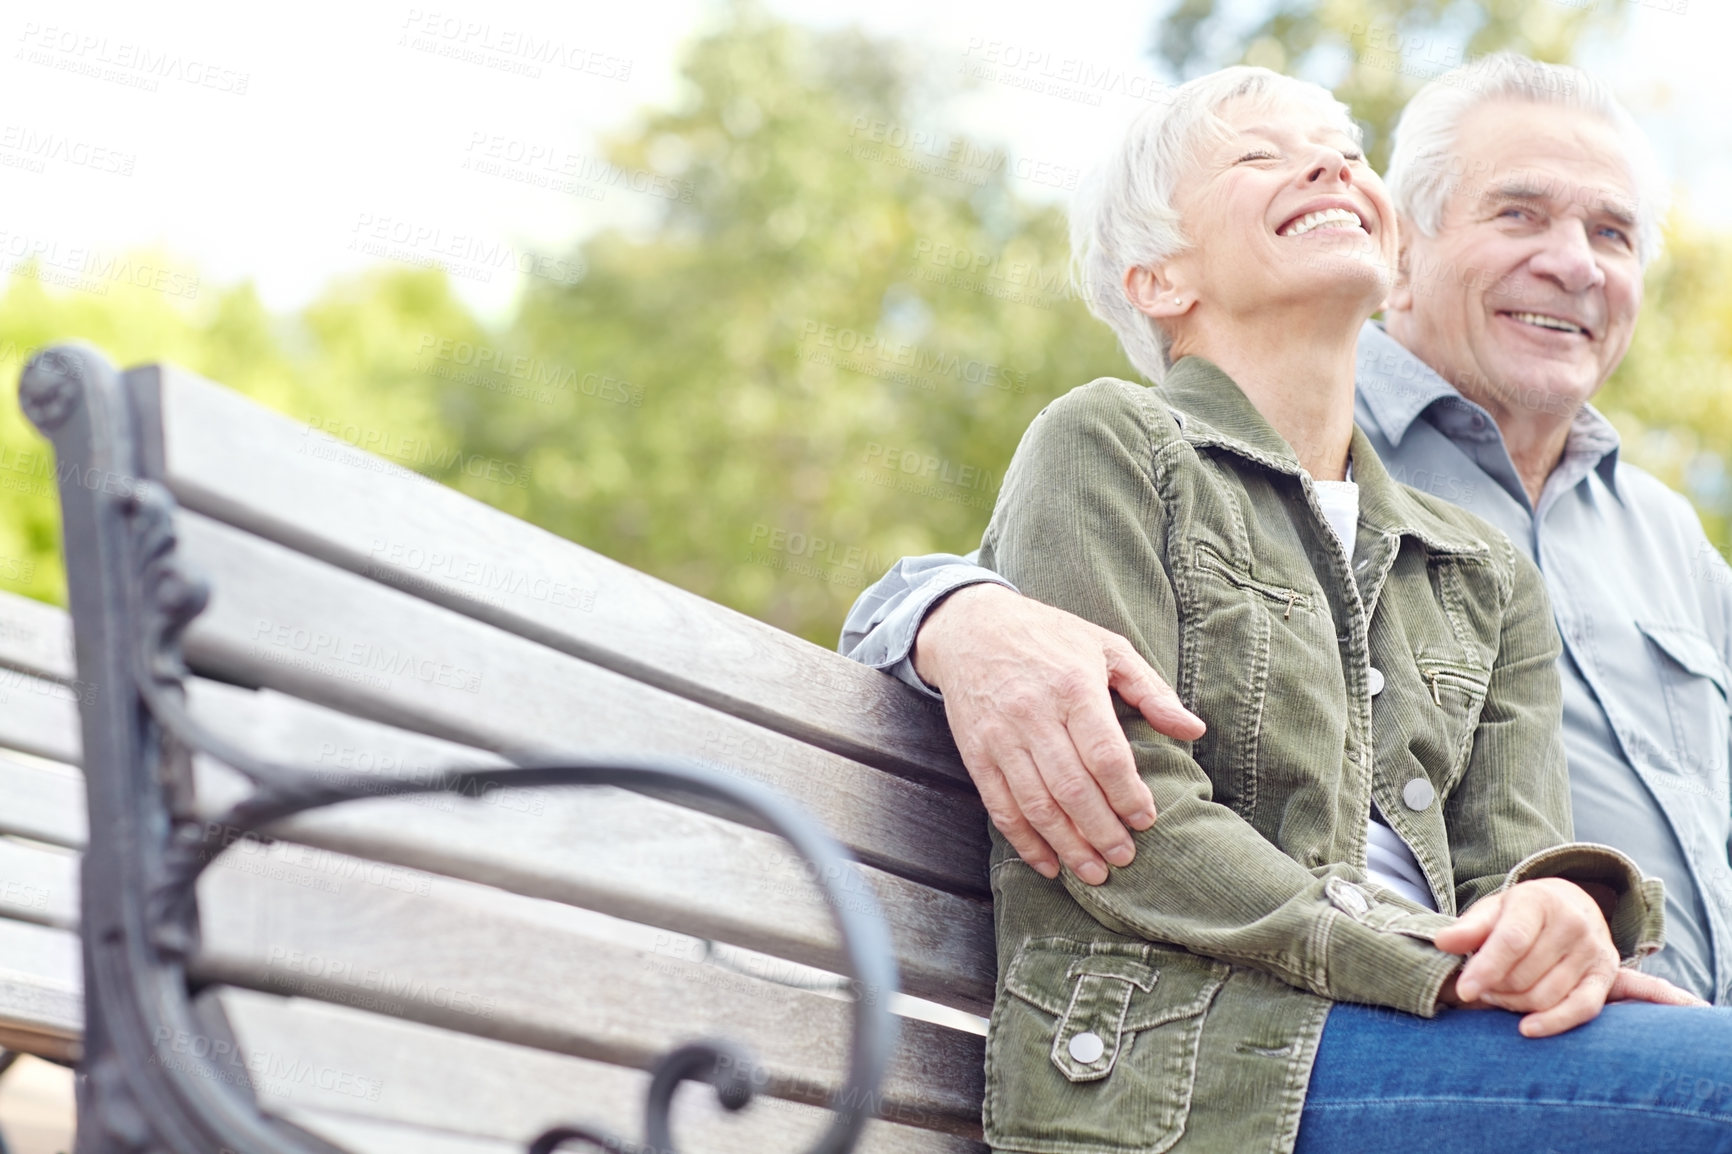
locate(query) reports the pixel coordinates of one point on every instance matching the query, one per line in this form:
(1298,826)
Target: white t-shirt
(1387,858)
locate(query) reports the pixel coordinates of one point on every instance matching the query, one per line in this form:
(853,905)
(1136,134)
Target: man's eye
(1256,154)
(1612,232)
(1355,157)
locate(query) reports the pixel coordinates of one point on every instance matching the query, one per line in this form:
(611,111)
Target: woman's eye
(1355,157)
(1257,154)
(1613,233)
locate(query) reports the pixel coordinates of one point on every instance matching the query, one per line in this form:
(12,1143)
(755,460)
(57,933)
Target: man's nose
(1567,259)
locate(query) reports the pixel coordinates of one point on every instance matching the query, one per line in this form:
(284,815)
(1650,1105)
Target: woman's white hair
(1425,169)
(1122,214)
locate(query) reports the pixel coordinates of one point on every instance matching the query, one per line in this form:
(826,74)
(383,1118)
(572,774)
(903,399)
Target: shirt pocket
(1693,679)
(1093,1047)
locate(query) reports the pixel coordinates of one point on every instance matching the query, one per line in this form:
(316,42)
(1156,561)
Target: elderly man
(1529,206)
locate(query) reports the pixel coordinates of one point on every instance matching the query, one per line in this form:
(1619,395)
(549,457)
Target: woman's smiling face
(1281,209)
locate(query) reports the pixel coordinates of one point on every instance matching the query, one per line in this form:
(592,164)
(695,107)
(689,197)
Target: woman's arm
(1080,525)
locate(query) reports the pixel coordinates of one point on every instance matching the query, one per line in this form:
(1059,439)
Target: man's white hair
(1122,214)
(1424,169)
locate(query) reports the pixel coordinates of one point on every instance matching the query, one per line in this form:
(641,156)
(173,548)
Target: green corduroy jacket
(1179,1005)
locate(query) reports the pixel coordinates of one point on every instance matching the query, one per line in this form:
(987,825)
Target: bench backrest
(366,621)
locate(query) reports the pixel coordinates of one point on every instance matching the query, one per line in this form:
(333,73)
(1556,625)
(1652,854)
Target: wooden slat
(432,953)
(369,1136)
(41,1003)
(242,464)
(42,800)
(35,638)
(38,884)
(40,717)
(638,858)
(362,1080)
(280,619)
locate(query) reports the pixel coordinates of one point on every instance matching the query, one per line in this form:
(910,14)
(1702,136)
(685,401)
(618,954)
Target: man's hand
(1026,691)
(1542,949)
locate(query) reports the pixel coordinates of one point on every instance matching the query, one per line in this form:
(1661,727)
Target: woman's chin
(1340,272)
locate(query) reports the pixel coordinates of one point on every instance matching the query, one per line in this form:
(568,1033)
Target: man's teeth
(1546,322)
(1329,216)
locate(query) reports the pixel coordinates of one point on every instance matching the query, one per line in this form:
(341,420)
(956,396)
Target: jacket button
(1374,679)
(1087,1047)
(1419,793)
(1347,897)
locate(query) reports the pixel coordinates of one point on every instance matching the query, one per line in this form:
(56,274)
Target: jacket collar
(1214,412)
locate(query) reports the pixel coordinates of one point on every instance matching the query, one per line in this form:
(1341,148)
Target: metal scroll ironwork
(135,958)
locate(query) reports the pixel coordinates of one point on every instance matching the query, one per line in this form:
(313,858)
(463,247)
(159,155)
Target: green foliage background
(730,398)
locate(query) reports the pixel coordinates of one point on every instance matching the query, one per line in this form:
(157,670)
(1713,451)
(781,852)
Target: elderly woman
(1381,789)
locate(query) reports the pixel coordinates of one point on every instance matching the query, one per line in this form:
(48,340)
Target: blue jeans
(1654,1079)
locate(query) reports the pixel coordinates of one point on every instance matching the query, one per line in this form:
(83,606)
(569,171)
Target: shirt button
(1374,681)
(1419,793)
(1087,1047)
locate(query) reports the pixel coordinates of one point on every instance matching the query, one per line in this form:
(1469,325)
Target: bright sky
(294,145)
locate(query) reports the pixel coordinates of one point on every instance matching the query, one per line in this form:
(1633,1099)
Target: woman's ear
(1157,293)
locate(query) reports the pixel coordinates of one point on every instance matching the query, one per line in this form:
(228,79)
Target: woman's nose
(1329,164)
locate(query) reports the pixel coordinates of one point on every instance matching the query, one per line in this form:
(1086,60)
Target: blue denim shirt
(1642,600)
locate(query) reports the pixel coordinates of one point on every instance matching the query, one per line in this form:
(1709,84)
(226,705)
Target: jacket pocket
(1209,560)
(1093,1047)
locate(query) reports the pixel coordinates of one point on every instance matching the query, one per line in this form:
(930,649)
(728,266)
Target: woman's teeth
(1328,216)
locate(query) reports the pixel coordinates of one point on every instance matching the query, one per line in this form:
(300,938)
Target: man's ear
(1400,298)
(1157,292)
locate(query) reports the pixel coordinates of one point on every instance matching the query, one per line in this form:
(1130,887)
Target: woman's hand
(1540,948)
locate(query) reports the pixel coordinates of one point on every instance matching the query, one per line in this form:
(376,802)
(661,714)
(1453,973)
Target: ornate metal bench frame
(131,600)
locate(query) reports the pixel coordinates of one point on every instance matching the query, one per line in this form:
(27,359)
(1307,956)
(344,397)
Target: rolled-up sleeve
(882,625)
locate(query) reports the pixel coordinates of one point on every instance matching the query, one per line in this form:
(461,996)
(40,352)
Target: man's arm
(881,627)
(1027,690)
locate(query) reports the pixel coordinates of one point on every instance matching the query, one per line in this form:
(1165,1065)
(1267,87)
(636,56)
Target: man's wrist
(931,640)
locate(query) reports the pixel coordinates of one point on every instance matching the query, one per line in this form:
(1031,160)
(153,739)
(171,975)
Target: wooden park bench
(469,953)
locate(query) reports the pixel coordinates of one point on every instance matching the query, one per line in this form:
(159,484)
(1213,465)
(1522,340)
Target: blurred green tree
(818,351)
(837,338)
(355,359)
(1374,54)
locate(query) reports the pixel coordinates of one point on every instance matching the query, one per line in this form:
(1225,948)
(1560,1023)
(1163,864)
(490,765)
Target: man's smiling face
(1527,296)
